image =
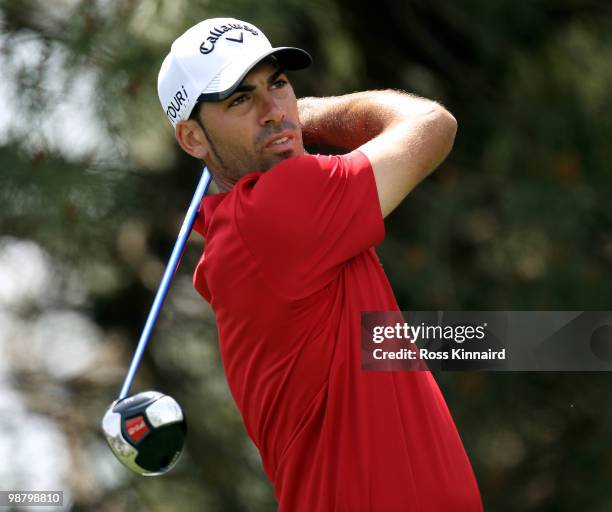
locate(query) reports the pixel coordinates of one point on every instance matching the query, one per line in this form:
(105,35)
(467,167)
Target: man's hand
(404,137)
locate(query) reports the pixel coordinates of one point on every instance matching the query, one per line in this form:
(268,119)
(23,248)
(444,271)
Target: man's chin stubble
(279,158)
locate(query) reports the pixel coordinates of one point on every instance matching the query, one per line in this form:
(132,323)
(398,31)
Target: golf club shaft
(162,291)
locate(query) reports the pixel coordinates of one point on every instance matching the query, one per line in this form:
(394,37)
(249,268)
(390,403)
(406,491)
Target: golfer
(289,265)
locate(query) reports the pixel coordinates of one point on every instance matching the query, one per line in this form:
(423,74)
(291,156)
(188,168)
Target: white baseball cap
(208,62)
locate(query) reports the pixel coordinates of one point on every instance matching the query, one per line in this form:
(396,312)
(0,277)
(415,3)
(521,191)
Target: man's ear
(191,138)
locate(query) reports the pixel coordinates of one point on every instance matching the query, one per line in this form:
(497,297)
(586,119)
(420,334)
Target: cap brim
(289,58)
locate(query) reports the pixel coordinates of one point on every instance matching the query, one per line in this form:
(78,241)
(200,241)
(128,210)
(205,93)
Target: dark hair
(195,114)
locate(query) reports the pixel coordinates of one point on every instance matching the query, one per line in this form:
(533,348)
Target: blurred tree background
(93,189)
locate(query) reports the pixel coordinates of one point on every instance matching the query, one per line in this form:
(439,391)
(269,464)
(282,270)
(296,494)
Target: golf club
(146,431)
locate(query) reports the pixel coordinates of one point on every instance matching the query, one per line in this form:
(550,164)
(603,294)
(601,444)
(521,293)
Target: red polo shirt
(288,266)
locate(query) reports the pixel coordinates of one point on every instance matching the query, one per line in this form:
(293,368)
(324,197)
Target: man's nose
(272,111)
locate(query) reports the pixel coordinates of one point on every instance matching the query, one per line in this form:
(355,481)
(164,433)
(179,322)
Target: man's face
(255,128)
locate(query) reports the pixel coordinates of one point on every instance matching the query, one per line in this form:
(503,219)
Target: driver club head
(146,432)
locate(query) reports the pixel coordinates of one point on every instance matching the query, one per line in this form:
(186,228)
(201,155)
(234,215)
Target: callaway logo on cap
(208,62)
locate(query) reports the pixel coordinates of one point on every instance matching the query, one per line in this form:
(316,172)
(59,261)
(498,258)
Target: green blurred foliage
(518,217)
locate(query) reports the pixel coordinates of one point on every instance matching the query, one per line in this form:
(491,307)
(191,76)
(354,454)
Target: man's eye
(238,100)
(279,83)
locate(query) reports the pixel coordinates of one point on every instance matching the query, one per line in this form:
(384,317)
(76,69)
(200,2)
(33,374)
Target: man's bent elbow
(445,132)
(448,126)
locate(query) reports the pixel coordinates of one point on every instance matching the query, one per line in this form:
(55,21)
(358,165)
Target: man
(289,264)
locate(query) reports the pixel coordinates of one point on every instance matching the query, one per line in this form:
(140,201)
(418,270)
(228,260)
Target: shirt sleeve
(306,217)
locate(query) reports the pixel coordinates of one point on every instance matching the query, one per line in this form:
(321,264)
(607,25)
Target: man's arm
(404,137)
